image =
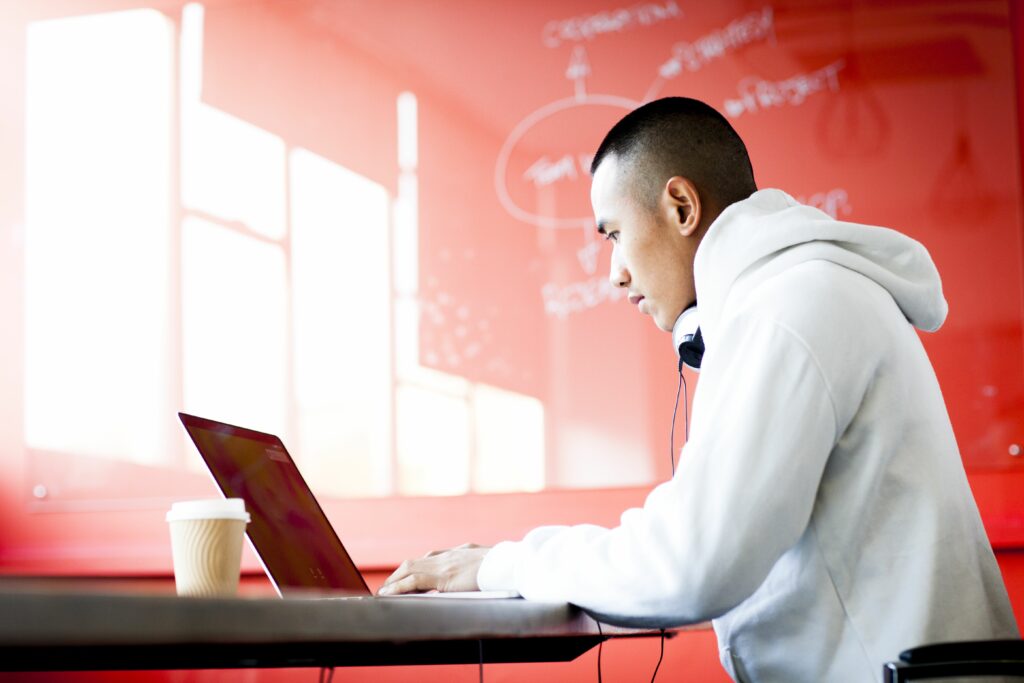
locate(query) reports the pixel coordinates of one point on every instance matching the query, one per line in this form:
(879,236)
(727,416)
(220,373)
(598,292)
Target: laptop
(289,532)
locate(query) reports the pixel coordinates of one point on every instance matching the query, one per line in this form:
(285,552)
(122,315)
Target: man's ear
(680,205)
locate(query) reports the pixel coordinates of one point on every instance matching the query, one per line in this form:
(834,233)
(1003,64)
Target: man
(820,514)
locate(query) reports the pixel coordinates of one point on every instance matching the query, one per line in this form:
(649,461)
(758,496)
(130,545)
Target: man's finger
(403,570)
(414,583)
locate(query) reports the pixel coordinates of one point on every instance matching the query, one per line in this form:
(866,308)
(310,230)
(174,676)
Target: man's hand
(441,570)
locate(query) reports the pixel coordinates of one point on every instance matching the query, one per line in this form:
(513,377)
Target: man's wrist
(497,570)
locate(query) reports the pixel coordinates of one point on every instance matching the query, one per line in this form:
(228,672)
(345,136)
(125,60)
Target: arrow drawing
(579,69)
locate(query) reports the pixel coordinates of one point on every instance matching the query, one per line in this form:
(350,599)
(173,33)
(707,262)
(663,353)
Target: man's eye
(612,236)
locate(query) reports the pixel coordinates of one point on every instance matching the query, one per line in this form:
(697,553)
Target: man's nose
(619,276)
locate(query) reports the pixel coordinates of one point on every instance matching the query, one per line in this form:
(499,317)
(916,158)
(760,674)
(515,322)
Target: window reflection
(286,299)
(97,234)
(232,169)
(342,296)
(235,327)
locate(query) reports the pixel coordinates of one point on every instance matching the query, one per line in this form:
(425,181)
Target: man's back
(893,554)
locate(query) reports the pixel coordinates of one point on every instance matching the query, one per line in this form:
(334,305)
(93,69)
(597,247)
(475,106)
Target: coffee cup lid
(213,508)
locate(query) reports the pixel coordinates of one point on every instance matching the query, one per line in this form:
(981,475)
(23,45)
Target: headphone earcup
(687,339)
(691,351)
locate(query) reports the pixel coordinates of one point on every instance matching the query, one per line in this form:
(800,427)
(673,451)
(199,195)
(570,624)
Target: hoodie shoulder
(761,237)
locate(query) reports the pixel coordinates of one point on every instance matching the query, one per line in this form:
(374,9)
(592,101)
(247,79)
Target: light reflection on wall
(342,296)
(97,229)
(297,281)
(235,327)
(453,435)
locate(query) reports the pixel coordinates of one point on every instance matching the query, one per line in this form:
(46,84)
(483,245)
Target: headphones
(687,339)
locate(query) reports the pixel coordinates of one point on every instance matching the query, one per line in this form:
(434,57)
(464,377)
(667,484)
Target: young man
(820,514)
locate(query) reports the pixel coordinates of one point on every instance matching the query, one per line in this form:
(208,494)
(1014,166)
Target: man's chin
(662,325)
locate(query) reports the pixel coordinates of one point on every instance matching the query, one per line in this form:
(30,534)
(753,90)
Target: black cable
(326,674)
(660,657)
(686,419)
(481,643)
(600,645)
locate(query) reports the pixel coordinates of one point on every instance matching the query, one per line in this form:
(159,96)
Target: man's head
(661,177)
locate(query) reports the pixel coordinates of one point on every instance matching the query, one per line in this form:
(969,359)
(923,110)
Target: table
(47,629)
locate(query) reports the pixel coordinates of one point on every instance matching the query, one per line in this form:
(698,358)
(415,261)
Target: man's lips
(635,299)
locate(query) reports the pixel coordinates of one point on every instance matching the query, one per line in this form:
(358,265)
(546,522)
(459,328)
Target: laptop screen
(291,534)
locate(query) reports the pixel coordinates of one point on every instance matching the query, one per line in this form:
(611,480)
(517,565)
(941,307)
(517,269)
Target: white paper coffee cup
(206,544)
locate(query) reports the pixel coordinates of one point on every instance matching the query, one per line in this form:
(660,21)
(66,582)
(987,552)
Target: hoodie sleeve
(764,424)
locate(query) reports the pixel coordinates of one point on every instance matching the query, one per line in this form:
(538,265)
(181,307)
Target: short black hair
(680,136)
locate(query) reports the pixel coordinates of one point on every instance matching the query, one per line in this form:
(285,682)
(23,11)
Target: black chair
(967,658)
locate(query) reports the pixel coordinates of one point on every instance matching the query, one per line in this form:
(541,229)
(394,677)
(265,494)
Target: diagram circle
(501,180)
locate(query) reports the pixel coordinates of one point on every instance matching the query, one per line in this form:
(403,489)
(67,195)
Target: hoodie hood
(770,232)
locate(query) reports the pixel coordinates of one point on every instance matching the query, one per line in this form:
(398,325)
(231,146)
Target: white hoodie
(820,513)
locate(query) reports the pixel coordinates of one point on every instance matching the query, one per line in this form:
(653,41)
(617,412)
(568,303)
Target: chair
(966,658)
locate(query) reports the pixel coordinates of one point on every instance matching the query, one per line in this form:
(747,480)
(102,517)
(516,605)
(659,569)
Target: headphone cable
(686,418)
(660,656)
